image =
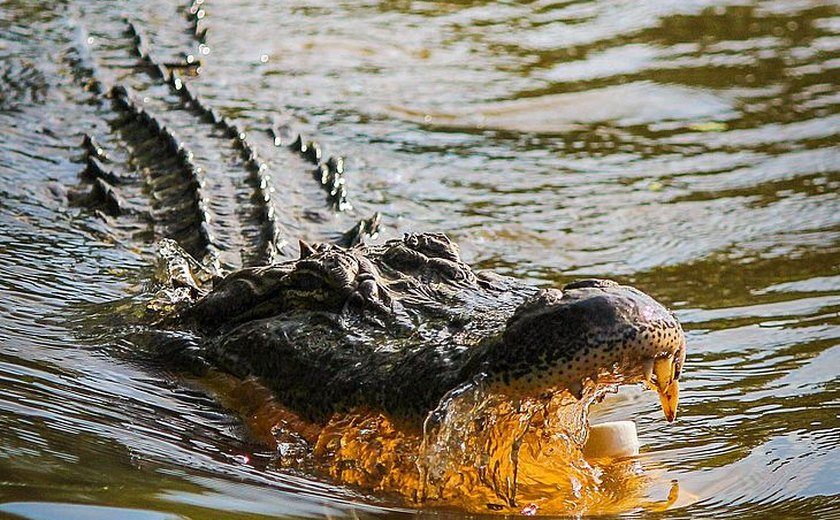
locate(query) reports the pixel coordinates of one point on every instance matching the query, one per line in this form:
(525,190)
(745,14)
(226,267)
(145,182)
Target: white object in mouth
(612,440)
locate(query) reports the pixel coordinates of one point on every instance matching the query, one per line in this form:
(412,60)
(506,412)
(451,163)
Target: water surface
(687,147)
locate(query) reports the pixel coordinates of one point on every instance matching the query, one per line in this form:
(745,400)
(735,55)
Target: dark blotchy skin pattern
(394,327)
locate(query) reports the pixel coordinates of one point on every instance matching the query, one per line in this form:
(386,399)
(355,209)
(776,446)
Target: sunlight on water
(486,452)
(688,148)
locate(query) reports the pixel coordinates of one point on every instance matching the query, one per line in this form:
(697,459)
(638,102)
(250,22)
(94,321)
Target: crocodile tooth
(648,372)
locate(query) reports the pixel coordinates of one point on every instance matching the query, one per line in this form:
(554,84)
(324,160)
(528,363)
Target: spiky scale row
(366,227)
(196,14)
(140,48)
(105,192)
(192,100)
(271,236)
(159,70)
(329,173)
(102,195)
(190,174)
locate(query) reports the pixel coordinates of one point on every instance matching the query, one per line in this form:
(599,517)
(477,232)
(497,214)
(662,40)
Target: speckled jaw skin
(591,331)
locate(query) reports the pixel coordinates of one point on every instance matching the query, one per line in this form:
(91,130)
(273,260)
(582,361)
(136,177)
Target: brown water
(687,147)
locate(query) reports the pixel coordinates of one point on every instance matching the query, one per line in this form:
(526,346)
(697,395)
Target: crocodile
(350,336)
(384,338)
(395,327)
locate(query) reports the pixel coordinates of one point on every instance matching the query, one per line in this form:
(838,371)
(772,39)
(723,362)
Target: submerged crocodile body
(394,329)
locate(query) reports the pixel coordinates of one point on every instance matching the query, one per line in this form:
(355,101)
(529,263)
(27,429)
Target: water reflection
(686,147)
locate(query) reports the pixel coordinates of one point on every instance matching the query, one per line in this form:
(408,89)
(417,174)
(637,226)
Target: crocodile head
(398,326)
(590,332)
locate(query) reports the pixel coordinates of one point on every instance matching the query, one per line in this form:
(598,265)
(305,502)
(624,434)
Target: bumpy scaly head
(592,331)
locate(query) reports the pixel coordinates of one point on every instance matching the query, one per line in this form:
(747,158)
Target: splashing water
(485,451)
(487,448)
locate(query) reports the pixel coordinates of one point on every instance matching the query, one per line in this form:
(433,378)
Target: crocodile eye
(589,283)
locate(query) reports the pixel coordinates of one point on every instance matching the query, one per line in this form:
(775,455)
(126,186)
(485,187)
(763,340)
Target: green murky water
(687,147)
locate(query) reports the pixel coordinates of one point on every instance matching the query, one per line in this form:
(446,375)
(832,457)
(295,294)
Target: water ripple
(689,147)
